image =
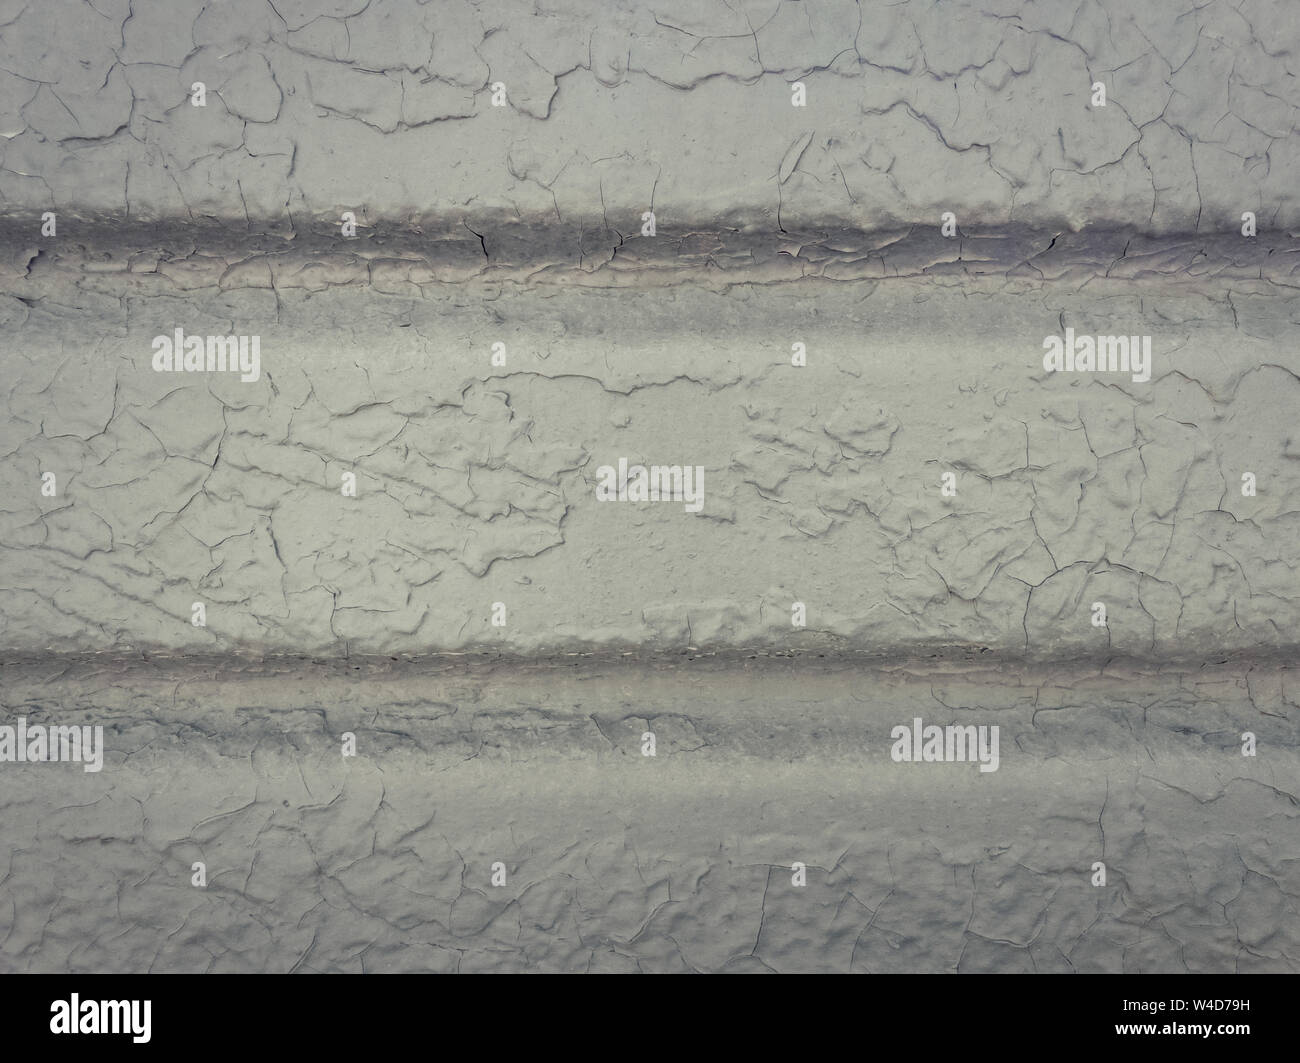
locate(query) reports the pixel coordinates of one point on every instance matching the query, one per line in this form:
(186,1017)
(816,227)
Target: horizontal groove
(996,666)
(504,249)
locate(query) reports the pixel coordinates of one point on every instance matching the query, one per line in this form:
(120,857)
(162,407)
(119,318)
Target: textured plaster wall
(522,742)
(822,483)
(384,106)
(618,862)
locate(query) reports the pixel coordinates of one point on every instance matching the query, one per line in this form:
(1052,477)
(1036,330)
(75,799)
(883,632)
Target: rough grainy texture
(619,862)
(503,324)
(681,106)
(822,483)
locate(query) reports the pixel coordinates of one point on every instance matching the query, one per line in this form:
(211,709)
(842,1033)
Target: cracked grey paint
(914,108)
(620,863)
(776,225)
